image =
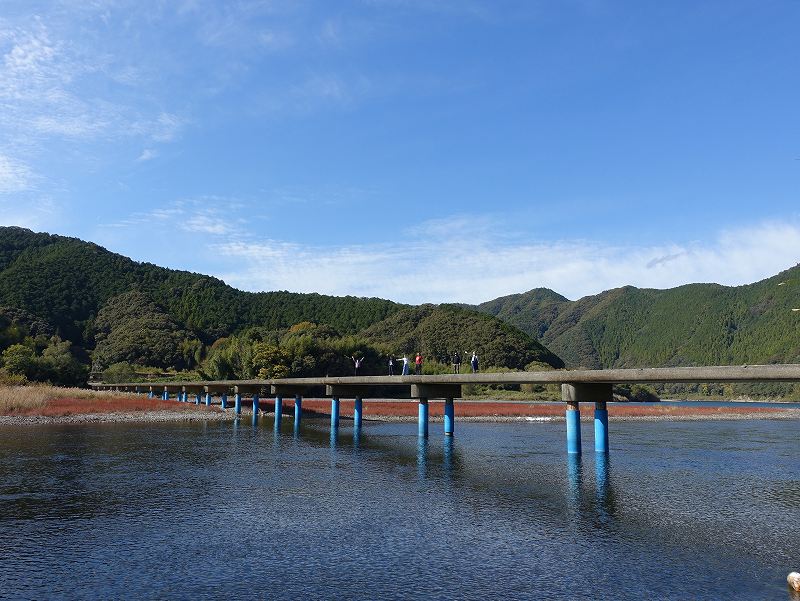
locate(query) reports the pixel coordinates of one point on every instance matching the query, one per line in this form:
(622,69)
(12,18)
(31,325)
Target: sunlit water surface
(683,510)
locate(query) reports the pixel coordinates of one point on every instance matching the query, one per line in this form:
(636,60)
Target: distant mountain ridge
(689,325)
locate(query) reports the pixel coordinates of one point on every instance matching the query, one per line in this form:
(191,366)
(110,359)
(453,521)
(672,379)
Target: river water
(679,510)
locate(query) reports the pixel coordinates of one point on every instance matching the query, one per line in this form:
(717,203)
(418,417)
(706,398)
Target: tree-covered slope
(689,325)
(67,281)
(439,330)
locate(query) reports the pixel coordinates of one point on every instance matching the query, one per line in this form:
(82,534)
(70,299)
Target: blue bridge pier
(422,428)
(278,412)
(573,395)
(577,386)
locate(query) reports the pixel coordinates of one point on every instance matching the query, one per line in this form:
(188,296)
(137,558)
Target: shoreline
(166,416)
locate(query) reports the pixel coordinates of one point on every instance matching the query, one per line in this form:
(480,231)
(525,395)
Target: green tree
(19,359)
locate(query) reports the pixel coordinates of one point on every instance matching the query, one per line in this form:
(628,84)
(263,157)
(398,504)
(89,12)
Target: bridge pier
(600,427)
(298,409)
(573,428)
(449,417)
(448,392)
(165,394)
(208,399)
(600,394)
(358,411)
(197,398)
(237,403)
(334,413)
(422,428)
(223,400)
(278,412)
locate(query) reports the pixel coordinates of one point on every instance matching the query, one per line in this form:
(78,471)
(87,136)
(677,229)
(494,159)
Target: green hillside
(690,325)
(439,330)
(67,281)
(65,301)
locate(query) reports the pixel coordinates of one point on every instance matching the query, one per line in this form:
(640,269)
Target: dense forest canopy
(696,324)
(65,296)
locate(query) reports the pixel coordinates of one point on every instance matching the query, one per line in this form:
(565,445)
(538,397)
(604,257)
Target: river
(679,510)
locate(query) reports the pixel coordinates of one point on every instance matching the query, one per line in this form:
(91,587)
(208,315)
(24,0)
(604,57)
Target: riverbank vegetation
(52,401)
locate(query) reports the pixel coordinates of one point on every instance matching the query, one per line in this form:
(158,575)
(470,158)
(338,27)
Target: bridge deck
(655,375)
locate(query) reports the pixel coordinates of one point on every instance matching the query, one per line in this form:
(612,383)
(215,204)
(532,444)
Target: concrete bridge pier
(165,394)
(298,412)
(600,427)
(573,428)
(223,400)
(422,428)
(448,392)
(208,399)
(358,412)
(449,417)
(278,412)
(334,413)
(237,401)
(197,398)
(151,394)
(600,394)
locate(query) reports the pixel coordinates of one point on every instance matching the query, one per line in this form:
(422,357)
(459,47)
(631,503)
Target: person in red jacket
(418,364)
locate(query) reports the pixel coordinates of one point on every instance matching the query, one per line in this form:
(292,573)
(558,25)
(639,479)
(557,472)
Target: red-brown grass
(500,409)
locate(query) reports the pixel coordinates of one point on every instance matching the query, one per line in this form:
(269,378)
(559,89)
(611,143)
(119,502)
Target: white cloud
(206,215)
(470,266)
(147,155)
(54,85)
(14,176)
(36,214)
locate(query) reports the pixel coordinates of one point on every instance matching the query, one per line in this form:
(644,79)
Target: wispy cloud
(206,215)
(147,155)
(51,86)
(15,176)
(33,213)
(477,266)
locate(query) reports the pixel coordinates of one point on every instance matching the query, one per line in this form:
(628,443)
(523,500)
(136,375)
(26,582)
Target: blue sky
(418,150)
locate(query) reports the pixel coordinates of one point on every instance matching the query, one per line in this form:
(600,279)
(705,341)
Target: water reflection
(356,438)
(449,452)
(574,479)
(604,498)
(422,457)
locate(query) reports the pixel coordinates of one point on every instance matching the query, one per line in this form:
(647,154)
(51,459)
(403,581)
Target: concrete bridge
(576,386)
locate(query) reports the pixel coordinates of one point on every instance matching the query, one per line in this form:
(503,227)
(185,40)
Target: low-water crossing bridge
(576,386)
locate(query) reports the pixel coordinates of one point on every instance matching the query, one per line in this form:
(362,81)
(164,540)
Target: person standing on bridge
(456,362)
(357,363)
(391,366)
(418,364)
(405,364)
(474,362)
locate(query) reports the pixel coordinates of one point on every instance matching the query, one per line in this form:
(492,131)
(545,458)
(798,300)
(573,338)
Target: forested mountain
(68,302)
(694,324)
(66,281)
(439,330)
